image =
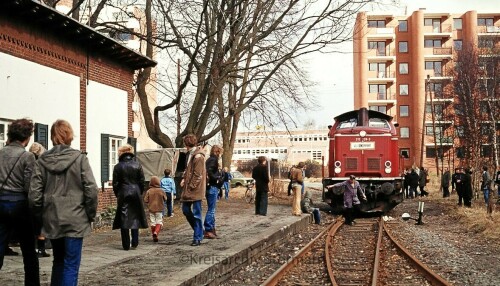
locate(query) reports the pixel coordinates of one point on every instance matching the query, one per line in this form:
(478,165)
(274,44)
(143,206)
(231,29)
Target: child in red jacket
(155,198)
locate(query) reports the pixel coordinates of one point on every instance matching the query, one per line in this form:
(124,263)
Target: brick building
(53,67)
(400,58)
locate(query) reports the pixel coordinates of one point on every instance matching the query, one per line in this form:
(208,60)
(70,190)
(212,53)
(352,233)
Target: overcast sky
(334,73)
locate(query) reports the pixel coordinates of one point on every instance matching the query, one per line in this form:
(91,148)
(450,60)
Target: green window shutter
(42,134)
(104,157)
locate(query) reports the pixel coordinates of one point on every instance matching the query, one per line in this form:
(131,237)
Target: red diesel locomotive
(364,143)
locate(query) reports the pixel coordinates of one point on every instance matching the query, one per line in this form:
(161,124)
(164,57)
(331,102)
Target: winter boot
(156,232)
(153,232)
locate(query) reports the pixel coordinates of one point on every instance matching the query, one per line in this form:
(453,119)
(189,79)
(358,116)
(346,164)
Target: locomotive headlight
(388,164)
(337,164)
(337,170)
(362,133)
(388,170)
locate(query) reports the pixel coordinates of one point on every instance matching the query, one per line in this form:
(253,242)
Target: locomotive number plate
(363,145)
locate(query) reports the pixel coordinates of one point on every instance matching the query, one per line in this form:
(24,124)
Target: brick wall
(37,45)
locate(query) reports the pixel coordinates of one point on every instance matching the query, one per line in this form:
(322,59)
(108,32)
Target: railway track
(363,254)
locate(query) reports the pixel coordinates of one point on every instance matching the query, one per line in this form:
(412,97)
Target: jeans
(261,203)
(413,192)
(211,196)
(226,187)
(16,216)
(67,256)
(168,204)
(486,194)
(125,234)
(316,215)
(192,211)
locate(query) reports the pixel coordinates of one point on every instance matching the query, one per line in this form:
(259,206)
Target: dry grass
(475,219)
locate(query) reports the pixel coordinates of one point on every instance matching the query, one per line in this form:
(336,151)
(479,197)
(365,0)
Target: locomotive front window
(353,122)
(378,122)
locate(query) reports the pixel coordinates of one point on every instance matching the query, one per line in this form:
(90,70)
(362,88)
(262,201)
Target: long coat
(64,192)
(128,186)
(195,177)
(261,177)
(351,193)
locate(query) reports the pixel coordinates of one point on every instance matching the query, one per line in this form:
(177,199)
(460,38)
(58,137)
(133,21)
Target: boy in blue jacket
(167,184)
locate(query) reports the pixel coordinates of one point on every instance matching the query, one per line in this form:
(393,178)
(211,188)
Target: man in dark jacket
(215,181)
(261,177)
(468,188)
(422,181)
(457,183)
(16,167)
(445,183)
(413,183)
(485,184)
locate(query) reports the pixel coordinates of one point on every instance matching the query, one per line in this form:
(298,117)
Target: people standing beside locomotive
(155,198)
(413,180)
(297,183)
(422,181)
(351,200)
(406,183)
(261,176)
(307,207)
(467,188)
(445,183)
(128,186)
(485,184)
(215,182)
(16,167)
(37,149)
(167,184)
(194,184)
(458,184)
(63,194)
(227,179)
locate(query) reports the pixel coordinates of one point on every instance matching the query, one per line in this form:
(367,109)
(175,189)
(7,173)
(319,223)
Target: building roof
(33,12)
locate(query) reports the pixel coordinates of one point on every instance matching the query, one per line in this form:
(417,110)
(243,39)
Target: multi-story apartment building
(286,146)
(401,63)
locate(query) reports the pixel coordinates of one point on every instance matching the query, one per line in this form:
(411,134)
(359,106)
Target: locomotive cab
(363,143)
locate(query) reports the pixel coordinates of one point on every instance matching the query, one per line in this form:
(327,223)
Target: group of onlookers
(415,178)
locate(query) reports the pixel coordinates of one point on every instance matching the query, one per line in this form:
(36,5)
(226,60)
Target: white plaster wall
(40,93)
(106,114)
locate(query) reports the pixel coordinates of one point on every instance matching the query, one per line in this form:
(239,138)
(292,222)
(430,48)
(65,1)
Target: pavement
(172,261)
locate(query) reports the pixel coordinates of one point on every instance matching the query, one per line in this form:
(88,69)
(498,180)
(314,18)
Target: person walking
(64,190)
(227,182)
(297,183)
(445,183)
(128,186)
(307,207)
(458,184)
(215,181)
(167,184)
(485,184)
(16,167)
(351,200)
(422,181)
(194,186)
(37,149)
(413,183)
(261,176)
(155,198)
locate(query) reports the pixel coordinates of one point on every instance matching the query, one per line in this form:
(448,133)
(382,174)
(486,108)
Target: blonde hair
(37,149)
(125,149)
(216,150)
(61,132)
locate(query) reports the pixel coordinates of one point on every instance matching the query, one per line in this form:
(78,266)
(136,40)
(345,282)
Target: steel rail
(292,262)
(328,263)
(376,261)
(433,277)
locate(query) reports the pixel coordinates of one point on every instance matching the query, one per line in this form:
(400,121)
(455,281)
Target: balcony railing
(385,96)
(441,51)
(385,74)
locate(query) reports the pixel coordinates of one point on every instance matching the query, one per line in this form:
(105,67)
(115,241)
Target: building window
(404,152)
(316,155)
(488,22)
(457,24)
(460,152)
(486,43)
(405,132)
(430,152)
(380,46)
(486,151)
(380,89)
(109,155)
(457,44)
(403,68)
(379,108)
(403,89)
(403,47)
(434,23)
(432,43)
(3,133)
(376,24)
(436,66)
(460,131)
(404,111)
(437,88)
(403,26)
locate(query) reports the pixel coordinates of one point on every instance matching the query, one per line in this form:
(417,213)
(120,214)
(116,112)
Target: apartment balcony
(440,54)
(444,31)
(380,34)
(440,141)
(381,77)
(438,97)
(438,122)
(488,31)
(387,99)
(438,76)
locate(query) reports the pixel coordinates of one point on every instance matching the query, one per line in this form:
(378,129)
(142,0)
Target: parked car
(239,180)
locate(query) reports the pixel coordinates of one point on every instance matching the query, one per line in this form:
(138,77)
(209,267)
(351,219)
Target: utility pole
(423,123)
(178,105)
(433,124)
